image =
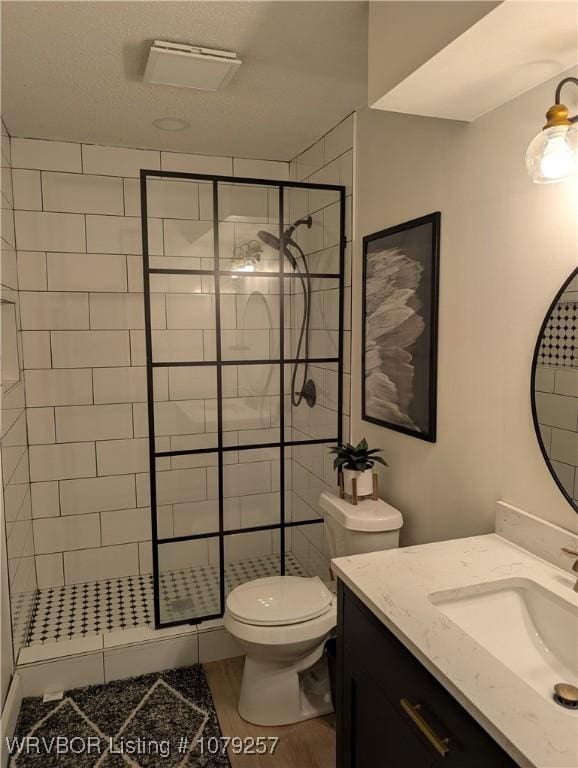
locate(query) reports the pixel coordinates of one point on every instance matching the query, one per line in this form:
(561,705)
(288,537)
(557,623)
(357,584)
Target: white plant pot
(364,481)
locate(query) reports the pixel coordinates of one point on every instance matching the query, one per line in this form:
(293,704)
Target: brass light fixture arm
(558,114)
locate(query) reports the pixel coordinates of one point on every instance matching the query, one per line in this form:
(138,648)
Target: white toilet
(283,622)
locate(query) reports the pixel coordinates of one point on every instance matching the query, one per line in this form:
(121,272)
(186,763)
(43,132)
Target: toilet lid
(279,600)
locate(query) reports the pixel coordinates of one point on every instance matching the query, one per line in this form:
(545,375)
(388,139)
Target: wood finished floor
(310,744)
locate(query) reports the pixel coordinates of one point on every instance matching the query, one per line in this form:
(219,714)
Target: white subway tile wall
(17,522)
(46,155)
(79,259)
(79,263)
(175,161)
(117,161)
(328,161)
(27,190)
(39,231)
(77,193)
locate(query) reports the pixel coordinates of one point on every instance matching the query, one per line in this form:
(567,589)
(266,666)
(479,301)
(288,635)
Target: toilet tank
(354,529)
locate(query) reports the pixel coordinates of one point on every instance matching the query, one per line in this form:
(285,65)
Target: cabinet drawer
(415,694)
(381,737)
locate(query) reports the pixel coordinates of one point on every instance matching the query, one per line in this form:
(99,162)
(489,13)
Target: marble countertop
(395,585)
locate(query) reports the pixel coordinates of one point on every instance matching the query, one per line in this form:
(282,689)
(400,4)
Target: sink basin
(532,631)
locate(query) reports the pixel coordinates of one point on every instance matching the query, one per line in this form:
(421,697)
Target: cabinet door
(431,714)
(410,706)
(376,736)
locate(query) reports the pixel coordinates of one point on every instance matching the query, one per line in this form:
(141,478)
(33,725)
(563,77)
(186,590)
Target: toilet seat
(284,634)
(300,610)
(279,601)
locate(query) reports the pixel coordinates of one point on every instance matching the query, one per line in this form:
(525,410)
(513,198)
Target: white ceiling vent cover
(190,66)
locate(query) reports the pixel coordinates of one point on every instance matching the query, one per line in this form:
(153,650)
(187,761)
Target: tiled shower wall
(557,393)
(15,469)
(329,161)
(79,265)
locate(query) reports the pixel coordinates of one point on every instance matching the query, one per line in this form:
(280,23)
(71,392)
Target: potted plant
(357,462)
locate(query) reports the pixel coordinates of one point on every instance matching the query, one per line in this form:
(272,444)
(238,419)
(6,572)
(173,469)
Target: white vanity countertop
(395,585)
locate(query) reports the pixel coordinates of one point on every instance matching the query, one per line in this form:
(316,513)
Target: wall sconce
(553,154)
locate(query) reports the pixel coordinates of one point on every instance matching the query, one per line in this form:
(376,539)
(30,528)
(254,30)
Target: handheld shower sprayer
(305,221)
(307,390)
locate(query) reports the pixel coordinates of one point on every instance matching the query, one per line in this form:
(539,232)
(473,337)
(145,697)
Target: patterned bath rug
(160,720)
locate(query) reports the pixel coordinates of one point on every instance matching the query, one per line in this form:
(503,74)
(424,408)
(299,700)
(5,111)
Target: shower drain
(566,695)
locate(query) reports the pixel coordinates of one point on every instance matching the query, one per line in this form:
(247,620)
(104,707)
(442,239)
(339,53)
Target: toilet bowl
(282,623)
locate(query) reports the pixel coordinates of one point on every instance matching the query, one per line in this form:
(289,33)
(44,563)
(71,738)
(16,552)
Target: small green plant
(358,458)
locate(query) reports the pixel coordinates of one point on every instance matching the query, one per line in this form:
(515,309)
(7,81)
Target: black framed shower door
(214,269)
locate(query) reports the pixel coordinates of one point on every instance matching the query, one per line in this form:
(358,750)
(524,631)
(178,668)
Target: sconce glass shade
(553,154)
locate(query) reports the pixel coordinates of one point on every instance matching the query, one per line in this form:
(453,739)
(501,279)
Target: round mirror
(555,389)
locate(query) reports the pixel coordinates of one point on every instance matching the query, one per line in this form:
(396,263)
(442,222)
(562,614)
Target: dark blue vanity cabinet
(391,712)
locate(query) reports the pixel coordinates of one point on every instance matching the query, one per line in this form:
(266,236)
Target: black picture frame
(415,247)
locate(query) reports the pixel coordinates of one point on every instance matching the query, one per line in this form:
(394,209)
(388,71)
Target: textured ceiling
(73,71)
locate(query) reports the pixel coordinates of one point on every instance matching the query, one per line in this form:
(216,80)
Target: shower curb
(117,660)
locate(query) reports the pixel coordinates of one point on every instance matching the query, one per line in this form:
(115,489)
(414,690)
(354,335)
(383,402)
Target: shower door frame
(219,363)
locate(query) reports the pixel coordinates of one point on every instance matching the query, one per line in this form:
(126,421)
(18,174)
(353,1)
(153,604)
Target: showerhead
(268,239)
(273,242)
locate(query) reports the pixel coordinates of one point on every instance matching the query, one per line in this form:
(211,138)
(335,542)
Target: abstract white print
(400,323)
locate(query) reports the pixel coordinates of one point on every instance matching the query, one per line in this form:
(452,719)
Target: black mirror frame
(564,492)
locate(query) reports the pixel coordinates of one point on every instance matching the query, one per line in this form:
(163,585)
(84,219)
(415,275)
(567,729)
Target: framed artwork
(400,323)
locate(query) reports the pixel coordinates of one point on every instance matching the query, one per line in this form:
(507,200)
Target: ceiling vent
(190,66)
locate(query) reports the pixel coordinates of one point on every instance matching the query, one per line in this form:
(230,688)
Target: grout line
(41,179)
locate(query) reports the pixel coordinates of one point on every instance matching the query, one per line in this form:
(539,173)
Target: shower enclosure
(243,291)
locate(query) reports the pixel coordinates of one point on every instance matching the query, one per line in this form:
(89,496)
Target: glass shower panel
(187,333)
(183,485)
(251,405)
(312,330)
(235,295)
(188,580)
(181,223)
(249,317)
(252,486)
(319,421)
(311,473)
(184,409)
(251,555)
(248,228)
(312,221)
(187,508)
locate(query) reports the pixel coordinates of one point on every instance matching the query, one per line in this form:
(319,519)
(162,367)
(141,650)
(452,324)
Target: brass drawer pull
(413,711)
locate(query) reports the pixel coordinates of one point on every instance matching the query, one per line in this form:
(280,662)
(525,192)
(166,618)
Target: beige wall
(430,27)
(506,247)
